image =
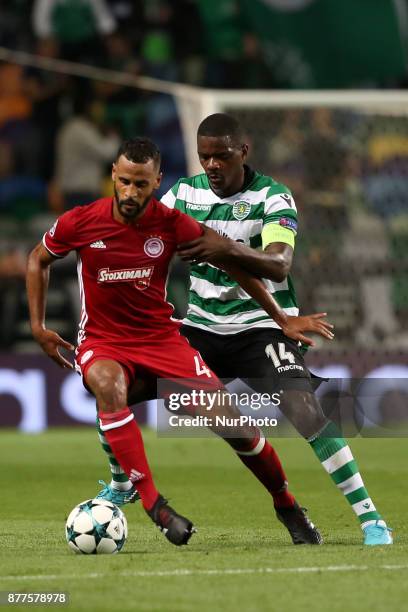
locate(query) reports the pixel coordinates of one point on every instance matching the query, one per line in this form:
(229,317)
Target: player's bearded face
(133,184)
(131,207)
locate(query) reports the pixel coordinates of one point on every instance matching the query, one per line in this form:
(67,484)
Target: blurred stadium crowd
(58,135)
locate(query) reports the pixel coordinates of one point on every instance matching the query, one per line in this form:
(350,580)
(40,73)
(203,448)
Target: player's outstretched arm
(214,248)
(38,271)
(274,262)
(293,327)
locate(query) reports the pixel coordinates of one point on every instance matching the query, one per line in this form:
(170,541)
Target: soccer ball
(95,527)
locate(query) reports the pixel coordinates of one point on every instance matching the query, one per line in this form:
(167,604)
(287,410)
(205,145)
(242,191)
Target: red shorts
(171,357)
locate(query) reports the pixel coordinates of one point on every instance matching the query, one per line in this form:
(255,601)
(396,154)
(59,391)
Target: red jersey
(122,269)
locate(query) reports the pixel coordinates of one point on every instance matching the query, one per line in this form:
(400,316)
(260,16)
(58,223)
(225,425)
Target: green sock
(119,480)
(336,457)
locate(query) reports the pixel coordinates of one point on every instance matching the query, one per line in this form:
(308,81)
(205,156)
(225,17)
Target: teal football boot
(377,535)
(119,498)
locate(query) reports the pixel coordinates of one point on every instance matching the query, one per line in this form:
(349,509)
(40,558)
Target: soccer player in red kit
(124,247)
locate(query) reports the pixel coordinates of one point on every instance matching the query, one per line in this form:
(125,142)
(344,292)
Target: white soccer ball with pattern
(95,527)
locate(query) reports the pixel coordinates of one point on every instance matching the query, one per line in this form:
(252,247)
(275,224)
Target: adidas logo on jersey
(99,244)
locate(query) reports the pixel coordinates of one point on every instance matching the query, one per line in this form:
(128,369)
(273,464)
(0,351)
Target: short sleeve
(280,206)
(61,237)
(186,228)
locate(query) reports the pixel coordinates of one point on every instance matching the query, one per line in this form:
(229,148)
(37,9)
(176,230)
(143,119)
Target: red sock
(264,463)
(125,439)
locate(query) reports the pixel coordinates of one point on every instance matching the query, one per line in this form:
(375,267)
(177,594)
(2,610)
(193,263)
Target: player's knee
(304,411)
(109,390)
(314,415)
(110,395)
(243,444)
(108,384)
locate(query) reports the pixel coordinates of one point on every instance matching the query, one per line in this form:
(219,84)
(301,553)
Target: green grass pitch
(240,559)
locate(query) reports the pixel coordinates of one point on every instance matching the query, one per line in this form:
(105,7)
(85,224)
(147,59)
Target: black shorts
(264,358)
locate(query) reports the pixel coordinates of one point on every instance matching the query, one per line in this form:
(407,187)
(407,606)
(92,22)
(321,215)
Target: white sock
(121,486)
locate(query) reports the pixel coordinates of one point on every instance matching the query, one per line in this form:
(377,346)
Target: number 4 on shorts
(283,354)
(201,368)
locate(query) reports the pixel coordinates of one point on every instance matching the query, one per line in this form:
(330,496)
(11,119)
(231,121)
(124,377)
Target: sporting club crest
(241,209)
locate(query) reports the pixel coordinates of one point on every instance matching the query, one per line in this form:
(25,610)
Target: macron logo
(99,244)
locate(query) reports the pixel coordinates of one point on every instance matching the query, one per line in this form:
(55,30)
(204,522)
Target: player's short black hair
(139,151)
(221,124)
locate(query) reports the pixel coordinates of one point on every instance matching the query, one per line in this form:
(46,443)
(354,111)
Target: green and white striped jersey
(216,302)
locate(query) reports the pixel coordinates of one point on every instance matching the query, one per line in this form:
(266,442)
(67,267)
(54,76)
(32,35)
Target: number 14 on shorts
(284,355)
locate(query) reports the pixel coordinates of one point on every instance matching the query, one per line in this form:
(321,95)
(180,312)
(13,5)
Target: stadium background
(320,86)
(344,154)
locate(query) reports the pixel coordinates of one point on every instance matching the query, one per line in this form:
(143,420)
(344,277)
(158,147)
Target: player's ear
(244,151)
(158,180)
(113,171)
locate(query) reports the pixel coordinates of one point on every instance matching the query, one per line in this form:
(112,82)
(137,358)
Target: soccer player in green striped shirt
(235,337)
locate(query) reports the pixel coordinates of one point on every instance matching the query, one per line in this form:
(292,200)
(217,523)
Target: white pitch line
(212,572)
